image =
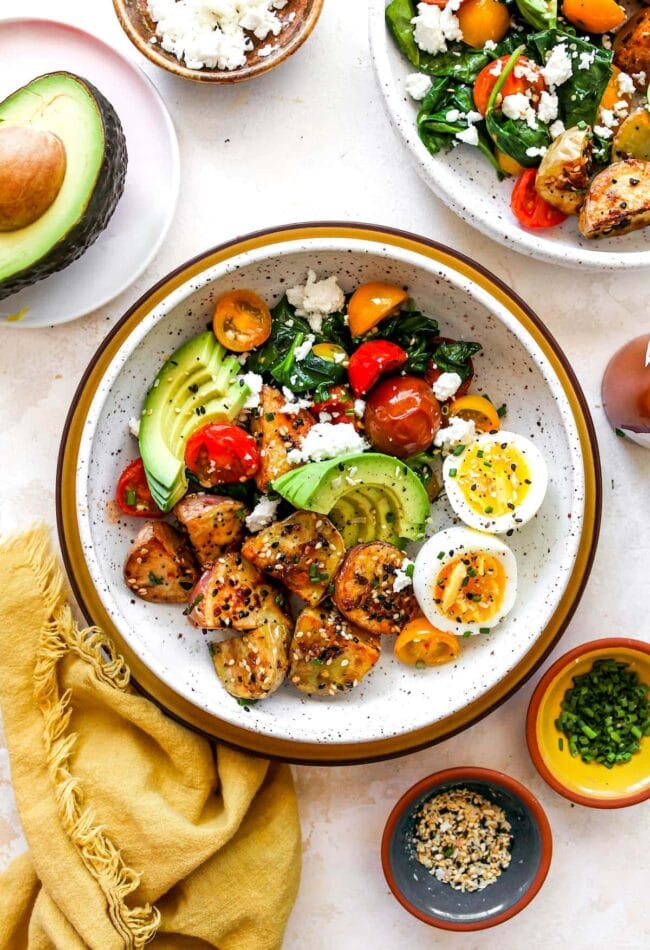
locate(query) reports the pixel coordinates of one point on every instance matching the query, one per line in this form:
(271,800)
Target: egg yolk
(470,588)
(495,479)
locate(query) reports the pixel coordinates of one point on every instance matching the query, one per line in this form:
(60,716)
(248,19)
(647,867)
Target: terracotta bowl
(140,29)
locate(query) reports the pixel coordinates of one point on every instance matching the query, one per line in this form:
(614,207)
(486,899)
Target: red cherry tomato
(133,495)
(402,416)
(371,361)
(529,208)
(220,453)
(525,77)
(433,372)
(339,405)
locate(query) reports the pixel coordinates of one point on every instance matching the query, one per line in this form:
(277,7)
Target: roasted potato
(618,200)
(253,665)
(234,593)
(277,433)
(212,523)
(632,138)
(363,589)
(160,566)
(328,654)
(564,173)
(304,552)
(632,47)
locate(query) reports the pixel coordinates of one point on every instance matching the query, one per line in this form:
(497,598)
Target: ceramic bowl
(586,783)
(468,185)
(298,20)
(435,902)
(396,708)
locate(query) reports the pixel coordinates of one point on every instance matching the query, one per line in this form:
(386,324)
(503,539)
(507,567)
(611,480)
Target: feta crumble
(547,108)
(558,66)
(327,440)
(446,386)
(516,106)
(603,132)
(557,129)
(469,135)
(435,27)
(134,427)
(359,408)
(418,85)
(254,382)
(316,299)
(402,580)
(458,432)
(292,403)
(301,351)
(263,514)
(534,152)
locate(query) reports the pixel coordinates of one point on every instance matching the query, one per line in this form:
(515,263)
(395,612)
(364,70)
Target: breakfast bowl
(587,783)
(296,21)
(397,708)
(425,891)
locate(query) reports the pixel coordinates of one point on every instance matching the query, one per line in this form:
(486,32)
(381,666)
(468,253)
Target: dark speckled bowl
(437,903)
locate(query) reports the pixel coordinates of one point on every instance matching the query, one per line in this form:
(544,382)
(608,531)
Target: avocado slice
(197,385)
(369,496)
(88,127)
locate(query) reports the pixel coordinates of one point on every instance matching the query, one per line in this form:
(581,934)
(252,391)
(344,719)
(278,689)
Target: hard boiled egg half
(465,581)
(497,482)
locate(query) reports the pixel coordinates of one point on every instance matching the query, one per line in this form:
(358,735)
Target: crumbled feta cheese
(489,45)
(434,27)
(516,106)
(603,132)
(303,349)
(497,68)
(586,59)
(134,427)
(621,108)
(606,41)
(534,152)
(453,115)
(547,108)
(557,129)
(558,66)
(458,432)
(316,299)
(326,440)
(263,514)
(266,50)
(401,579)
(446,386)
(325,417)
(608,118)
(418,85)
(639,78)
(468,135)
(359,408)
(241,357)
(254,382)
(625,84)
(473,117)
(292,403)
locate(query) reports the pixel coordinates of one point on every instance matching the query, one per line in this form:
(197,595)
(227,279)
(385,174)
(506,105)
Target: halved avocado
(88,127)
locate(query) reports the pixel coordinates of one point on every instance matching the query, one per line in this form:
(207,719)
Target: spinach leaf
(539,13)
(284,327)
(399,14)
(453,356)
(309,373)
(428,469)
(334,330)
(414,332)
(515,137)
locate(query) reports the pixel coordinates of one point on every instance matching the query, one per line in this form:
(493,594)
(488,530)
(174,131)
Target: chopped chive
(489,510)
(154,579)
(483,629)
(453,472)
(131,498)
(502,410)
(410,568)
(458,450)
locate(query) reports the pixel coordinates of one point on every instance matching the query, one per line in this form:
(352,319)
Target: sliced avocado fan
(369,496)
(197,385)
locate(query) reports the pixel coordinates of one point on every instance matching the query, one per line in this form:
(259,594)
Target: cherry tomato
(482,21)
(611,97)
(339,405)
(372,360)
(402,416)
(529,208)
(241,321)
(221,453)
(133,495)
(433,372)
(525,77)
(372,303)
(479,410)
(508,164)
(421,644)
(594,16)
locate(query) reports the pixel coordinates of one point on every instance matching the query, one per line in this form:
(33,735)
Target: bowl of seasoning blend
(588,724)
(466,849)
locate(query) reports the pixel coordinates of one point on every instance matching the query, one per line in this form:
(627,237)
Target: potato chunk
(328,654)
(618,200)
(160,566)
(304,552)
(632,46)
(212,523)
(364,589)
(277,433)
(253,665)
(234,593)
(564,173)
(632,139)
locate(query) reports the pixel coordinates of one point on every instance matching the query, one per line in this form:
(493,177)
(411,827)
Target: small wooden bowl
(140,29)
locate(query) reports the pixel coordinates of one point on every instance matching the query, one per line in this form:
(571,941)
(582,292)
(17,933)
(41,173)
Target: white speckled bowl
(396,708)
(468,185)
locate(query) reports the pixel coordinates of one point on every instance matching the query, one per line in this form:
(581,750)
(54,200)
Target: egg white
(445,546)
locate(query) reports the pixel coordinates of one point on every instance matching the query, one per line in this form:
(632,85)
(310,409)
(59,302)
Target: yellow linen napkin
(138,828)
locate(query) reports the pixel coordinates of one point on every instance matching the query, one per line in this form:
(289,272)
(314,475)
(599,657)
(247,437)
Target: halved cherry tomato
(594,16)
(221,453)
(372,303)
(483,20)
(525,77)
(508,164)
(479,410)
(529,208)
(241,321)
(133,495)
(433,372)
(611,97)
(402,416)
(372,360)
(331,353)
(422,644)
(339,405)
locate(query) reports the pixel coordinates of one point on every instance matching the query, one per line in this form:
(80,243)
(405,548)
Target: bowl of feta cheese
(218,41)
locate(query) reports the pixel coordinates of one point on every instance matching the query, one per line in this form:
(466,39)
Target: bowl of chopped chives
(588,724)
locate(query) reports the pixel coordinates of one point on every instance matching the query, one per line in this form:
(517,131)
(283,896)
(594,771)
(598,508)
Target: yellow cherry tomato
(372,303)
(331,353)
(241,321)
(509,165)
(479,409)
(483,20)
(594,16)
(612,96)
(422,644)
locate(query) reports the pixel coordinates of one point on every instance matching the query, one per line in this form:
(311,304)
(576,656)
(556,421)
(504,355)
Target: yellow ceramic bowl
(586,783)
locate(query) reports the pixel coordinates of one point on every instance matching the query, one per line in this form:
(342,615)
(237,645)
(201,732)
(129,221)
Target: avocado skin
(99,210)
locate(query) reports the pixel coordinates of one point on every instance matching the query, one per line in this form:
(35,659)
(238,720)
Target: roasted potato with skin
(632,138)
(253,665)
(276,434)
(160,566)
(564,173)
(328,654)
(234,593)
(632,46)
(212,523)
(363,589)
(618,200)
(304,552)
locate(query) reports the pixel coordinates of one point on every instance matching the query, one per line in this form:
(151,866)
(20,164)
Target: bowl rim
(238,736)
(217,76)
(491,777)
(534,709)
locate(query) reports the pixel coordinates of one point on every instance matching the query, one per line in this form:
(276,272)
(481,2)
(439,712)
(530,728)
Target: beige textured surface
(309,142)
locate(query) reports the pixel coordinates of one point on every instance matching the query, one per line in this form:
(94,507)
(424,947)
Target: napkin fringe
(59,636)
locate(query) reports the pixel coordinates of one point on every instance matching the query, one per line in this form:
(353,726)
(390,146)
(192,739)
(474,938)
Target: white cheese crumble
(402,580)
(557,129)
(534,152)
(435,27)
(326,440)
(469,135)
(453,115)
(516,106)
(254,382)
(639,78)
(303,349)
(446,386)
(418,85)
(558,66)
(489,45)
(603,131)
(316,299)
(359,408)
(586,59)
(263,514)
(608,118)
(134,427)
(458,432)
(292,403)
(547,108)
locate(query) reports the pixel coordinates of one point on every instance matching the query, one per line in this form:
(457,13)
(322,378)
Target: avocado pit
(32,169)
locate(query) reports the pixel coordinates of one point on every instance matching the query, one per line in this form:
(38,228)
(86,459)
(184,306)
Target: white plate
(144,213)
(467,183)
